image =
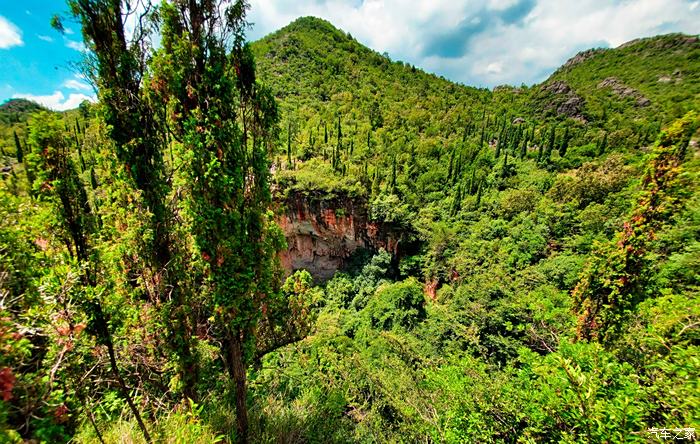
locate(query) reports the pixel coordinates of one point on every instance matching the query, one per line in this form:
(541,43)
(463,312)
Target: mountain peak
(311,22)
(310,25)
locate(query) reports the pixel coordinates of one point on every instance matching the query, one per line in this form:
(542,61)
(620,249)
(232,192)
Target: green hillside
(17,110)
(520,199)
(545,290)
(387,110)
(653,79)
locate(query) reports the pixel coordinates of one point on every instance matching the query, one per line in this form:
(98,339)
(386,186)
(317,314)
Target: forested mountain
(519,264)
(17,110)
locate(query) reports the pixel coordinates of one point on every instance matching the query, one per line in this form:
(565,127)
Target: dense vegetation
(548,292)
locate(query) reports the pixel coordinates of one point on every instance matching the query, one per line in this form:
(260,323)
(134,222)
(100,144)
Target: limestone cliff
(322,233)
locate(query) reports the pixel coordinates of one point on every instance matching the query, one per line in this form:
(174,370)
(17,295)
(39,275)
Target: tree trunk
(237,370)
(105,338)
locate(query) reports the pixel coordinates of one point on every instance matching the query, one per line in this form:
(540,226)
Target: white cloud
(542,38)
(45,38)
(78,46)
(10,34)
(57,101)
(76,85)
(557,30)
(494,68)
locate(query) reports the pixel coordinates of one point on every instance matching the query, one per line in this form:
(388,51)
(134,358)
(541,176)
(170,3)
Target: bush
(398,305)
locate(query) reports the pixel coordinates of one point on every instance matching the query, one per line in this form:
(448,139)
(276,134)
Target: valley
(301,240)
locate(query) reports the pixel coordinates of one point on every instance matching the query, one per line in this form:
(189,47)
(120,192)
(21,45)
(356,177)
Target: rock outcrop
(624,91)
(558,96)
(322,233)
(582,57)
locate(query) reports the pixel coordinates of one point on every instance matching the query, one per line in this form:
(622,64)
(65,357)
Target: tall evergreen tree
(138,139)
(227,125)
(392,182)
(564,143)
(289,144)
(504,170)
(550,144)
(19,152)
(457,202)
(451,165)
(478,194)
(603,144)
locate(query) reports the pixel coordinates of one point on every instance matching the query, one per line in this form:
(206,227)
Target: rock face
(557,87)
(623,90)
(558,96)
(322,233)
(582,57)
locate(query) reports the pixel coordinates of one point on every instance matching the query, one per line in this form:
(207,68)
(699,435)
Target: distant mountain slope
(324,77)
(641,78)
(355,122)
(332,61)
(17,110)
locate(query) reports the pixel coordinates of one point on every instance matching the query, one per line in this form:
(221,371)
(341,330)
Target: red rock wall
(321,234)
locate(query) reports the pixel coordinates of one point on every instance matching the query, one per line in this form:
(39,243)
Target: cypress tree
(375,183)
(18,148)
(457,172)
(478,195)
(457,202)
(137,138)
(226,172)
(603,144)
(289,144)
(472,182)
(516,139)
(449,168)
(338,146)
(564,143)
(550,143)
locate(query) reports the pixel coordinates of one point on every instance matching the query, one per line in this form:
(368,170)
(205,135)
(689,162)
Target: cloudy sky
(476,42)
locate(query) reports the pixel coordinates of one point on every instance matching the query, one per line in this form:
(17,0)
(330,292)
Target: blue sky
(36,60)
(476,42)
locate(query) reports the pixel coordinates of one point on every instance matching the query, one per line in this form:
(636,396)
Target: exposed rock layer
(624,91)
(322,233)
(558,96)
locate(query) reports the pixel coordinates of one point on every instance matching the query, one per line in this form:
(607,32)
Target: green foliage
(398,305)
(613,283)
(539,282)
